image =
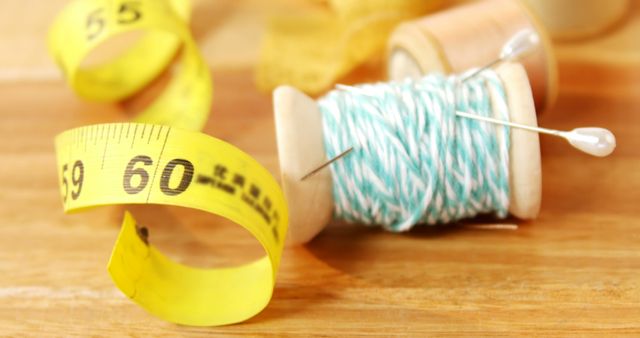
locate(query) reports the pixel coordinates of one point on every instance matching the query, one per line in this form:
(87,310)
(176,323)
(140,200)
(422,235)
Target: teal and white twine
(413,160)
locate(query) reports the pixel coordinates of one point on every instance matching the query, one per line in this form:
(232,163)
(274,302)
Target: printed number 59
(77,178)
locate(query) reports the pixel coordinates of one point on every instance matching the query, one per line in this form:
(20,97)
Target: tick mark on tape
(133,139)
(159,133)
(104,154)
(150,134)
(106,144)
(155,171)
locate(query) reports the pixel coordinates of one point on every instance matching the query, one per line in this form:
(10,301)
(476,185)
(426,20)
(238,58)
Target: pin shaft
(511,124)
(480,70)
(324,165)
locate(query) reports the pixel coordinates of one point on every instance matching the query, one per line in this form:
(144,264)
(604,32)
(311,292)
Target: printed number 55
(128,12)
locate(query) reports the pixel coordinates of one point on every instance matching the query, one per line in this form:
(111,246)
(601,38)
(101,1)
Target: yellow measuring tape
(160,162)
(131,163)
(84,25)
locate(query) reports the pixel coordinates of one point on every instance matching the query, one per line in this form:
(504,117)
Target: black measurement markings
(133,138)
(76,177)
(128,12)
(249,193)
(130,171)
(139,166)
(151,133)
(187,177)
(144,128)
(155,171)
(121,131)
(106,145)
(159,133)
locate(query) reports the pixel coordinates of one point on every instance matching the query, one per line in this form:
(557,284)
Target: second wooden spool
(471,36)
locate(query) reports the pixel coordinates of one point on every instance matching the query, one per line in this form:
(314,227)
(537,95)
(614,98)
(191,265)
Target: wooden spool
(469,36)
(301,149)
(575,19)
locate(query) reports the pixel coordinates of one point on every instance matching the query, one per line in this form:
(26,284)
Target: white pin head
(523,43)
(594,141)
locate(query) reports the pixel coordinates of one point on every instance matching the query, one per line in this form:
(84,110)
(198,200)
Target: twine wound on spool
(415,160)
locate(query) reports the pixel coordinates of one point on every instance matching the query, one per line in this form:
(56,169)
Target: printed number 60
(131,171)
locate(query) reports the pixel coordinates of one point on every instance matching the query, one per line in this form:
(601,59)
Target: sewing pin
(520,45)
(594,141)
(324,165)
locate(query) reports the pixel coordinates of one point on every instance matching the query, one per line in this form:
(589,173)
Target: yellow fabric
(161,162)
(312,51)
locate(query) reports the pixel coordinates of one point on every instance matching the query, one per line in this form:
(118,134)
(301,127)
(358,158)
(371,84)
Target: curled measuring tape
(161,162)
(84,25)
(131,163)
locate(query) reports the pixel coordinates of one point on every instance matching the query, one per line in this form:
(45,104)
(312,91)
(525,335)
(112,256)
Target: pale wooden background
(574,270)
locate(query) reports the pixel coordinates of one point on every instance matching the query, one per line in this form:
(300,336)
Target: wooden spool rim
(411,48)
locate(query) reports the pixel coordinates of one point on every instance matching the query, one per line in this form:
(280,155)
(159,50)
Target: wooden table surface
(574,270)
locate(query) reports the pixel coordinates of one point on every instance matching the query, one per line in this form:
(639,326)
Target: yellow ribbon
(312,51)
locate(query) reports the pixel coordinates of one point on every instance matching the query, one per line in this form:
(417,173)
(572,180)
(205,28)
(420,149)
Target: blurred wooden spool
(469,36)
(575,19)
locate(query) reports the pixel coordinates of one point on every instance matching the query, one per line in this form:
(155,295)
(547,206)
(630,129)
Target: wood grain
(573,271)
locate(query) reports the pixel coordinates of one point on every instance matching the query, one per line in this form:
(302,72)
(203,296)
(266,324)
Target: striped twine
(414,161)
